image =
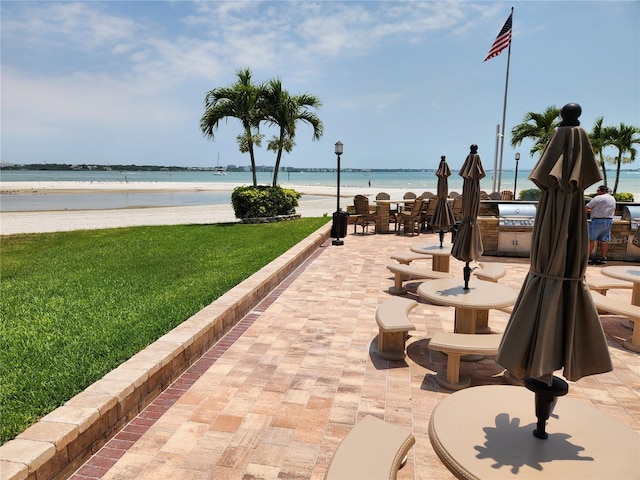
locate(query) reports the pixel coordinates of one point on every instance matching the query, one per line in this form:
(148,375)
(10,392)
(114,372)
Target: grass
(75,305)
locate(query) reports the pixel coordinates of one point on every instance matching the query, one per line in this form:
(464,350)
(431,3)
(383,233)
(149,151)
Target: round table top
(623,272)
(432,249)
(487,432)
(481,294)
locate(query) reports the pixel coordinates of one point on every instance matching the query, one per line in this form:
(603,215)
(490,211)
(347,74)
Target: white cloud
(31,106)
(79,25)
(141,68)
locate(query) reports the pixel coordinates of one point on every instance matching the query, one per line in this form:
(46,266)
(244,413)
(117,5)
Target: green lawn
(75,305)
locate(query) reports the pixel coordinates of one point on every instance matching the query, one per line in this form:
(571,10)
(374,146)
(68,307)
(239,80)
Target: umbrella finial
(570,113)
(474,149)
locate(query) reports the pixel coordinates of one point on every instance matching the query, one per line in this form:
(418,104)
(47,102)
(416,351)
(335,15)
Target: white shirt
(602,206)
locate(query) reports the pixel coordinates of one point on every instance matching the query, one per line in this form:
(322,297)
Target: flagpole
(504,111)
(495,160)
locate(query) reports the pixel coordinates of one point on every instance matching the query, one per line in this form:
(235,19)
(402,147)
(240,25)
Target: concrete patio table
(628,273)
(487,432)
(471,306)
(440,256)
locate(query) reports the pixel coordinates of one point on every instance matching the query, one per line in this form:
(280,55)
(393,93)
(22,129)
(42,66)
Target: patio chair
(407,205)
(456,208)
(411,221)
(506,195)
(364,215)
(428,210)
(427,195)
(495,196)
(453,194)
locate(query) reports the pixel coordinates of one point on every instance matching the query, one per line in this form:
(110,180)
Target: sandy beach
(43,188)
(324,202)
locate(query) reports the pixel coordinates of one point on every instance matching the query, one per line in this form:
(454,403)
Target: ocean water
(416,181)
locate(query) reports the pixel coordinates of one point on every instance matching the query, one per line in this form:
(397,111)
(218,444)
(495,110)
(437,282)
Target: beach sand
(323,203)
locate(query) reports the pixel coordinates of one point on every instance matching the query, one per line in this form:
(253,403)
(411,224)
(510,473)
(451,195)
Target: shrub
(620,196)
(623,197)
(263,201)
(531,194)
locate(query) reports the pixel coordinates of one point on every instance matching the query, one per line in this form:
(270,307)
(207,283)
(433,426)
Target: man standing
(601,207)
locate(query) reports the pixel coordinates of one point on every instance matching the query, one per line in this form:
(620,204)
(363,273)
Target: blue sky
(401,83)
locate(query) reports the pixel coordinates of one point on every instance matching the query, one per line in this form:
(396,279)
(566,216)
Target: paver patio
(276,396)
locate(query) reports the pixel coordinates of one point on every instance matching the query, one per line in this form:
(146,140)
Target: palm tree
(623,138)
(240,101)
(600,138)
(284,111)
(538,127)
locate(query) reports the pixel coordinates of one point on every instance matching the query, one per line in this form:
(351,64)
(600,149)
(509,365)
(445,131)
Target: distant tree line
(174,168)
(99,168)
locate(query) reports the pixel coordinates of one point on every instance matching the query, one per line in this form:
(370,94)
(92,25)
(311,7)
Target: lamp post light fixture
(515,182)
(337,217)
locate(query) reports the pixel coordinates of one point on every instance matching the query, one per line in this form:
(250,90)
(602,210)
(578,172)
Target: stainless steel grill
(512,215)
(632,214)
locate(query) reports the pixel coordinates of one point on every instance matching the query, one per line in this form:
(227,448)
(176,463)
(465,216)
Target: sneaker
(602,261)
(593,261)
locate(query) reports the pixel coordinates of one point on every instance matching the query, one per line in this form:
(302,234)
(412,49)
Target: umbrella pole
(467,275)
(441,233)
(546,396)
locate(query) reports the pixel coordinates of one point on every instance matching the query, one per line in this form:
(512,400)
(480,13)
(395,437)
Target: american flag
(502,40)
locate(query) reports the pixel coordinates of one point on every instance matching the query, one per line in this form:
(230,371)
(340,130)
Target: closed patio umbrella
(554,323)
(467,246)
(442,218)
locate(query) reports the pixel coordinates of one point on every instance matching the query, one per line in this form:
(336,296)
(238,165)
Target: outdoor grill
(632,214)
(514,215)
(515,228)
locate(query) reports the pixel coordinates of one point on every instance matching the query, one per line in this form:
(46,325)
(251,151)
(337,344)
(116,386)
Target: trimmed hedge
(533,194)
(623,197)
(620,196)
(263,201)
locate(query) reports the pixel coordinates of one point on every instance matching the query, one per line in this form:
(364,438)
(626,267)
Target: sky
(401,82)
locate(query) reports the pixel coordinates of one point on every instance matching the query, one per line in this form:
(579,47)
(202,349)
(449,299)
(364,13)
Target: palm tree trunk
(604,169)
(618,164)
(253,159)
(253,168)
(278,158)
(277,169)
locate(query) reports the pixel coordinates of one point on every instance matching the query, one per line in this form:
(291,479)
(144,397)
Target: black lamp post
(515,182)
(337,217)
